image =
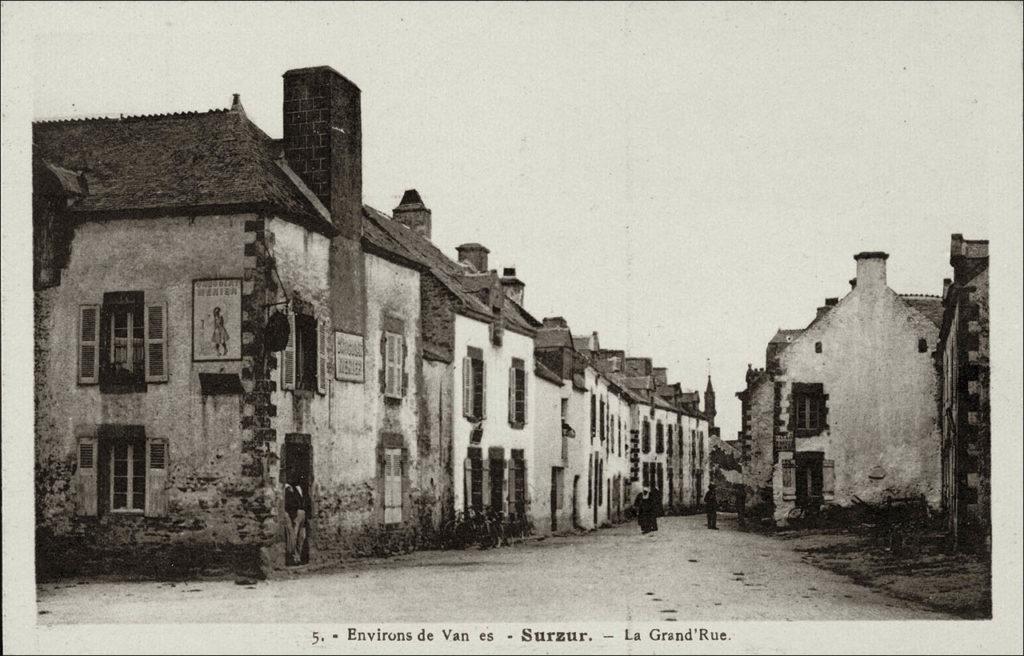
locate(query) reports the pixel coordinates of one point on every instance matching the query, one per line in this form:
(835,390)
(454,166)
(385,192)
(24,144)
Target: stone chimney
(323,145)
(411,212)
(871,269)
(831,302)
(513,286)
(475,255)
(660,375)
(822,311)
(323,141)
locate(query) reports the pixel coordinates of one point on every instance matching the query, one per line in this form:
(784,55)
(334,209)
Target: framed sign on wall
(348,357)
(217,319)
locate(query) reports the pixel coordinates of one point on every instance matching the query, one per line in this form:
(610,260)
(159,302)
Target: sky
(684,179)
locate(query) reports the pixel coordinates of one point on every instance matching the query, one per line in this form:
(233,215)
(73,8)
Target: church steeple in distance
(709,403)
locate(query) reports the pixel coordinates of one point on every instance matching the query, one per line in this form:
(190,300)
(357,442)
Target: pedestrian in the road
(711,507)
(646,506)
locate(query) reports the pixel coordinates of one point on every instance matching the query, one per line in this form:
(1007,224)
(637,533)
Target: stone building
(962,357)
(211,324)
(478,369)
(846,407)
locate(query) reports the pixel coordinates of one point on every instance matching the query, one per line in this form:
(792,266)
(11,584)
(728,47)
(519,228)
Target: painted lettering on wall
(348,357)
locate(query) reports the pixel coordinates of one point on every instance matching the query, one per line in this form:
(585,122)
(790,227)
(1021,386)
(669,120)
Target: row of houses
(219,316)
(881,396)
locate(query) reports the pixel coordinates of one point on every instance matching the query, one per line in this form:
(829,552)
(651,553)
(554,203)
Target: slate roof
(387,233)
(785,336)
(548,337)
(173,162)
(929,306)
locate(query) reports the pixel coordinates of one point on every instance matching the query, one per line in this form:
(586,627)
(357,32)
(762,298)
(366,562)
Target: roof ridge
(129,117)
(920,296)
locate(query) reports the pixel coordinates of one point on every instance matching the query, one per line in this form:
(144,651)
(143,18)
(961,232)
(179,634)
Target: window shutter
(405,374)
(322,341)
(788,479)
(526,379)
(392,486)
(88,345)
(467,482)
(156,477)
(828,478)
(485,466)
(467,387)
(86,483)
(288,357)
(512,395)
(510,487)
(383,370)
(483,390)
(156,343)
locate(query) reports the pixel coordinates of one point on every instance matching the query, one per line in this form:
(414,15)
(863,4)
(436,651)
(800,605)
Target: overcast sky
(684,179)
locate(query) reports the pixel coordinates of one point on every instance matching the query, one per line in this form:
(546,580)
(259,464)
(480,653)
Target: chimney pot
(871,269)
(831,302)
(475,255)
(412,213)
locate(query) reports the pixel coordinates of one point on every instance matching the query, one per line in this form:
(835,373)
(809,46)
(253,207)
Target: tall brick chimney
(870,269)
(323,144)
(323,141)
(412,213)
(513,286)
(475,255)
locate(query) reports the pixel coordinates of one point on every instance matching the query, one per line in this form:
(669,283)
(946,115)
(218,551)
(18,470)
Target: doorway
(809,477)
(297,483)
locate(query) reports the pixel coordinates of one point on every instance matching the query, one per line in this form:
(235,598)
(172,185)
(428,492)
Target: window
(120,471)
(474,480)
(590,479)
(593,417)
(659,438)
(395,380)
(122,343)
(565,411)
(601,420)
(808,411)
(474,380)
(392,486)
(517,485)
(922,345)
(304,359)
(517,393)
(496,471)
(646,437)
(668,442)
(817,347)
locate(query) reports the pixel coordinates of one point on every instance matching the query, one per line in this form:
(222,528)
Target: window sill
(518,425)
(121,512)
(303,393)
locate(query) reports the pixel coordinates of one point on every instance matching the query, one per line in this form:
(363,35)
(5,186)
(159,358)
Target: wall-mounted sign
(348,357)
(217,319)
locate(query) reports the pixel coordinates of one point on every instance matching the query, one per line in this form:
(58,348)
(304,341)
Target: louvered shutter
(88,344)
(467,483)
(405,358)
(788,479)
(156,343)
(156,477)
(512,395)
(483,390)
(288,357)
(392,486)
(828,478)
(510,487)
(86,492)
(467,387)
(485,488)
(382,373)
(526,384)
(322,356)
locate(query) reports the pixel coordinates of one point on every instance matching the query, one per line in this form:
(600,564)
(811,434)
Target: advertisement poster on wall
(217,319)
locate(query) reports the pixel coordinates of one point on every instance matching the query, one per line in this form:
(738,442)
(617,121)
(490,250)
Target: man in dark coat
(711,507)
(646,506)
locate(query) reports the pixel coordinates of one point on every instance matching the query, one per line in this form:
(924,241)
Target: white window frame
(130,496)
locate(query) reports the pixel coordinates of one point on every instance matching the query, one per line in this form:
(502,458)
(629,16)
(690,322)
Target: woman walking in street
(646,507)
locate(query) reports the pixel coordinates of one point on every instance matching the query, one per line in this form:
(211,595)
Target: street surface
(683,571)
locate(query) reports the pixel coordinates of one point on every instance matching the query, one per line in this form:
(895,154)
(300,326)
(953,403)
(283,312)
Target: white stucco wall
(882,408)
(497,432)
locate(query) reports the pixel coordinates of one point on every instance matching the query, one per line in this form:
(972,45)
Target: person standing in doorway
(295,520)
(711,507)
(646,507)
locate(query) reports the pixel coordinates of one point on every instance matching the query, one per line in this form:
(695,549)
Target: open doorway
(297,483)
